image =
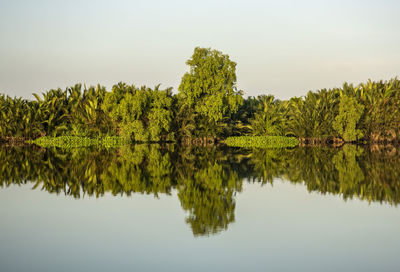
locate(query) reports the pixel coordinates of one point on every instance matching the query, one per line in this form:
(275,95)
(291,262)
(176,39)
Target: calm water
(169,208)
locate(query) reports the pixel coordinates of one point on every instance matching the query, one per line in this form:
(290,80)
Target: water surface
(169,208)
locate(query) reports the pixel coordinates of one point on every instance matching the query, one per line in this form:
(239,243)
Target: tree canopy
(208,105)
(208,91)
(346,121)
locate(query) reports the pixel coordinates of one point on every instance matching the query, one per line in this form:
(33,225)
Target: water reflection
(206,179)
(351,171)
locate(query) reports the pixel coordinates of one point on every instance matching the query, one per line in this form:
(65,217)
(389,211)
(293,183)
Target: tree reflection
(206,187)
(206,179)
(350,171)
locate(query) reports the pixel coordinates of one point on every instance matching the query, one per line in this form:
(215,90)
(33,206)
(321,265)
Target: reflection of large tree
(350,175)
(206,179)
(210,202)
(203,177)
(207,184)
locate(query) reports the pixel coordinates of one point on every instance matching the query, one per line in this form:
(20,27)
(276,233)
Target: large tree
(208,92)
(350,112)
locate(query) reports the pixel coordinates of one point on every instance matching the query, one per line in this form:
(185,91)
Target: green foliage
(17,117)
(140,114)
(208,92)
(261,141)
(346,121)
(312,116)
(208,105)
(78,141)
(240,122)
(85,114)
(59,112)
(268,119)
(382,109)
(366,112)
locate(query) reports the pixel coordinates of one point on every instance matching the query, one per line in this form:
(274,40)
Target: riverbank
(235,141)
(262,141)
(79,141)
(113,141)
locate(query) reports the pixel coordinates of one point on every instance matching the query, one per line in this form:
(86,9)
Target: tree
(345,123)
(268,119)
(140,114)
(209,91)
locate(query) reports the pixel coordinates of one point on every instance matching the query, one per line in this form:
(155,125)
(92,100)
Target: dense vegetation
(206,106)
(261,141)
(77,141)
(206,180)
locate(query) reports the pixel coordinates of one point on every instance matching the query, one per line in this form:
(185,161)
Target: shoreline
(233,141)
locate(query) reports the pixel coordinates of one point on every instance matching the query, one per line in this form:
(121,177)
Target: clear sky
(281,47)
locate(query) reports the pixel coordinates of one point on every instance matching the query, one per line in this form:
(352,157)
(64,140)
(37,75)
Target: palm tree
(268,120)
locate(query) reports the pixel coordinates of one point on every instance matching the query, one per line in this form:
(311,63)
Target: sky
(284,48)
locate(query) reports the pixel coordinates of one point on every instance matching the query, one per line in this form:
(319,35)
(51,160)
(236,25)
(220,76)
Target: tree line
(206,105)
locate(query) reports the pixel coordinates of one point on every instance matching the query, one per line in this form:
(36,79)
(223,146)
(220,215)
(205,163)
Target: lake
(174,208)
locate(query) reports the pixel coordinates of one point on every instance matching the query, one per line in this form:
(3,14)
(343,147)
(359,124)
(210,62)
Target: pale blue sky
(281,47)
